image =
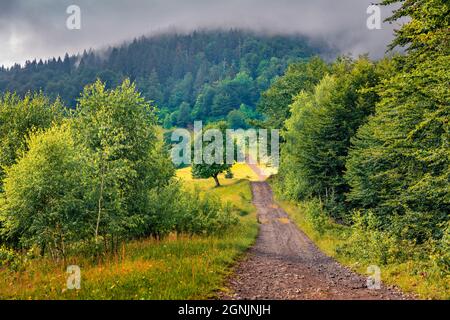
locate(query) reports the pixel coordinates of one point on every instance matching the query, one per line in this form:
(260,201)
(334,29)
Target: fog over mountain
(37,29)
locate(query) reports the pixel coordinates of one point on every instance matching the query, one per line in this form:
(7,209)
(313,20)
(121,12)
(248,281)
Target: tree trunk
(43,247)
(100,203)
(216,179)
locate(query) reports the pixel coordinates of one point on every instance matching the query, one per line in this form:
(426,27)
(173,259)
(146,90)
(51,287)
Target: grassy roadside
(411,276)
(173,268)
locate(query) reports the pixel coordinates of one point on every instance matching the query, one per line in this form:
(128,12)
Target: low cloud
(37,29)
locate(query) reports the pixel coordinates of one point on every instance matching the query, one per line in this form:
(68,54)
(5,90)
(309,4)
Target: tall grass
(177,267)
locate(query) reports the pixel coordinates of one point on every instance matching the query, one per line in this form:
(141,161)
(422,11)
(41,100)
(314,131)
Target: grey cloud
(30,29)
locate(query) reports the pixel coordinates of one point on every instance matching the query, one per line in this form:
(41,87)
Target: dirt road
(285,264)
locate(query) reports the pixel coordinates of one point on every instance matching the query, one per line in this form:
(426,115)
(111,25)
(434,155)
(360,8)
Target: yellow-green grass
(403,275)
(174,268)
(236,192)
(241,171)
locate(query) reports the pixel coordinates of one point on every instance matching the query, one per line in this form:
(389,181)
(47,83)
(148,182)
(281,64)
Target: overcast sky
(37,28)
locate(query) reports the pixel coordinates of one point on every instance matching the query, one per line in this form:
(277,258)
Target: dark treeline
(203,75)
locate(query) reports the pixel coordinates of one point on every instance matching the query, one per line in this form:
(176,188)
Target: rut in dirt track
(285,264)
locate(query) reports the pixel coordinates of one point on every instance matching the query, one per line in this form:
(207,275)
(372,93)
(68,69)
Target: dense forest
(204,75)
(367,142)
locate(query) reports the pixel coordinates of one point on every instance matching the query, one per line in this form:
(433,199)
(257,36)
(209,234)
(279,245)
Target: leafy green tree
(184,115)
(151,88)
(399,165)
(229,94)
(204,170)
(43,203)
(118,127)
(202,107)
(425,33)
(223,102)
(236,120)
(18,118)
(318,133)
(268,70)
(275,102)
(181,92)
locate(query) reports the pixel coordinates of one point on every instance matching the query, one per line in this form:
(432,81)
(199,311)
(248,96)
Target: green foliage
(236,120)
(98,178)
(318,133)
(44,193)
(190,214)
(223,97)
(400,161)
(372,245)
(151,88)
(184,115)
(203,215)
(229,174)
(10,259)
(302,76)
(426,33)
(18,119)
(315,215)
(205,170)
(118,128)
(440,255)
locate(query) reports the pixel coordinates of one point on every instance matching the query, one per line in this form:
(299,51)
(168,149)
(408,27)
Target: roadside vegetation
(95,188)
(173,267)
(416,270)
(366,156)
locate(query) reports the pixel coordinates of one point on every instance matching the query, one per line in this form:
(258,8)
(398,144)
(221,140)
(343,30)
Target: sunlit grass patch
(235,191)
(174,268)
(241,171)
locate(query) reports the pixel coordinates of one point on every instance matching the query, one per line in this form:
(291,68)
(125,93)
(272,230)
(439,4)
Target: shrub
(316,215)
(43,201)
(370,244)
(18,119)
(229,174)
(186,212)
(440,253)
(10,259)
(203,215)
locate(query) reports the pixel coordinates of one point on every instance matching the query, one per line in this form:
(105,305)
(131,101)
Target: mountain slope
(202,76)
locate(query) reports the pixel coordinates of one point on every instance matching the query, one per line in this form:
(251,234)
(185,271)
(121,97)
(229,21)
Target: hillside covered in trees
(367,144)
(365,157)
(203,75)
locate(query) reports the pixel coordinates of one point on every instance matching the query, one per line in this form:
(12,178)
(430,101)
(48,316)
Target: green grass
(411,276)
(174,268)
